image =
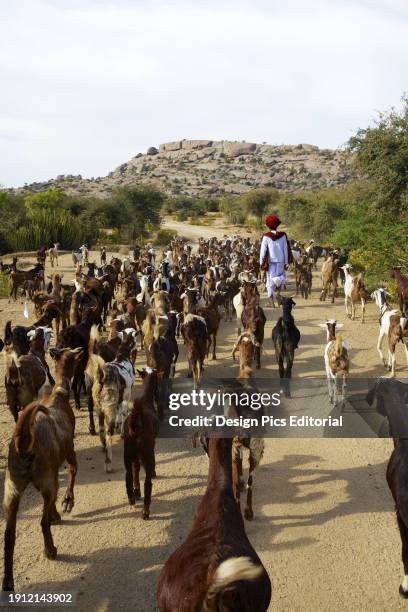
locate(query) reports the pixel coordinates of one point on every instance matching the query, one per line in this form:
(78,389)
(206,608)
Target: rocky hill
(206,167)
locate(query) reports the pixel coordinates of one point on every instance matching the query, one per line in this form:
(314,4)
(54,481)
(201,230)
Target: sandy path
(324,523)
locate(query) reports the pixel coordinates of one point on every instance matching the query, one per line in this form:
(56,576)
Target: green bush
(164,237)
(48,227)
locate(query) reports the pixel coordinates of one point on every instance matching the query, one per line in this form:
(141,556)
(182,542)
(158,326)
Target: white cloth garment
(278,257)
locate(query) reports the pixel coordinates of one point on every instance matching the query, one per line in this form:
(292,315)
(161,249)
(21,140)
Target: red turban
(272,222)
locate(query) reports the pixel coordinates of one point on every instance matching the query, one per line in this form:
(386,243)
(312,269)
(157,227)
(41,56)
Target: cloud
(87,85)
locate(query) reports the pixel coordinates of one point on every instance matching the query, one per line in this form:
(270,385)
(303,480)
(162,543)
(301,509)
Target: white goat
(336,360)
(392,326)
(354,290)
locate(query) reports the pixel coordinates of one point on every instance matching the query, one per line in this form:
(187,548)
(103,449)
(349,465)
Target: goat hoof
(249,515)
(92,431)
(67,504)
(146,515)
(108,467)
(51,552)
(402,592)
(137,494)
(132,500)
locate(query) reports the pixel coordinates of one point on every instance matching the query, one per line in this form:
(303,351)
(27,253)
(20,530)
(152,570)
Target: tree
(381,154)
(143,204)
(257,201)
(49,200)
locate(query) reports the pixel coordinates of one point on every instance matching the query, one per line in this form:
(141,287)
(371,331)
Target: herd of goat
(150,305)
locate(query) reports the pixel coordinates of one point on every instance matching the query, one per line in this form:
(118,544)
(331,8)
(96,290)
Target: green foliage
(184,207)
(48,227)
(140,207)
(381,154)
(48,200)
(233,210)
(257,201)
(164,237)
(4,285)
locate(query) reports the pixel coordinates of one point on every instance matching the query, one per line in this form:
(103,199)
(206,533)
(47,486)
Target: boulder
(234,149)
(170,146)
(152,151)
(189,145)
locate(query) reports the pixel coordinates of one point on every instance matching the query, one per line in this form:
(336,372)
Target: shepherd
(274,257)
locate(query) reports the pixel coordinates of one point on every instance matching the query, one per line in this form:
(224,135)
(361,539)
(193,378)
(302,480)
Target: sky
(87,84)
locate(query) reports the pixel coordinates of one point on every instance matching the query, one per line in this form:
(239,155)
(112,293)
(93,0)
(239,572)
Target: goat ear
(323,325)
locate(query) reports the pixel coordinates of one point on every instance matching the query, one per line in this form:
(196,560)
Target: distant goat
(139,433)
(354,291)
(393,326)
(285,338)
(336,359)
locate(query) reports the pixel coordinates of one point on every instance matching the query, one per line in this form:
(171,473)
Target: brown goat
(330,272)
(246,344)
(26,375)
(253,319)
(42,440)
(139,433)
(215,568)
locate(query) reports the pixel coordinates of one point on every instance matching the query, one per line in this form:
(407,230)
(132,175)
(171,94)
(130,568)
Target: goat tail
(24,433)
(231,570)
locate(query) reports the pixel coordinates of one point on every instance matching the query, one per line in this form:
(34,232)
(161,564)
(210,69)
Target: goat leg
(149,468)
(248,512)
(11,503)
(49,497)
(129,476)
(68,501)
(403,589)
(91,426)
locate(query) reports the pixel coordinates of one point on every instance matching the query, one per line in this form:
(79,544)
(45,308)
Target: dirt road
(324,524)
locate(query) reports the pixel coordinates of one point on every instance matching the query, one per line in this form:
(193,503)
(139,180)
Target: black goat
(285,337)
(392,401)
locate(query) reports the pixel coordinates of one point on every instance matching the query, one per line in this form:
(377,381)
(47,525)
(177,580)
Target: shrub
(164,237)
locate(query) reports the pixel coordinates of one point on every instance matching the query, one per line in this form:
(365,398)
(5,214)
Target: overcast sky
(87,84)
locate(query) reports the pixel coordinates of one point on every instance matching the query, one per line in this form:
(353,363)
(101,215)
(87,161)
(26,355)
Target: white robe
(278,257)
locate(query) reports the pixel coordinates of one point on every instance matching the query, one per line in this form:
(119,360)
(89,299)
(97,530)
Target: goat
(253,318)
(77,336)
(402,289)
(18,278)
(111,392)
(285,338)
(53,254)
(392,325)
(329,277)
(336,360)
(212,319)
(43,438)
(354,291)
(195,336)
(392,400)
(27,374)
(246,345)
(215,568)
(139,434)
